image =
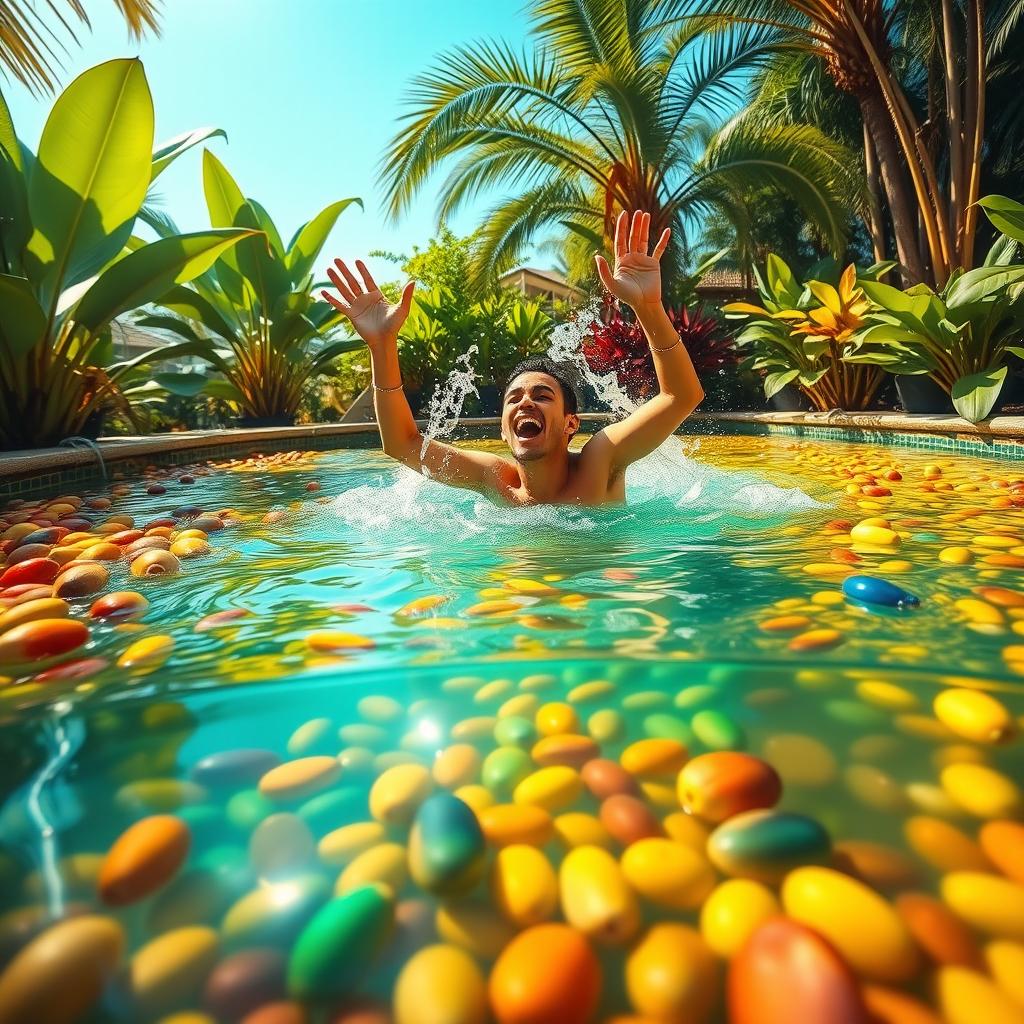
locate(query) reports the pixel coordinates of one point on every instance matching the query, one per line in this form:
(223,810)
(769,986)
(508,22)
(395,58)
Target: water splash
(666,490)
(448,399)
(668,472)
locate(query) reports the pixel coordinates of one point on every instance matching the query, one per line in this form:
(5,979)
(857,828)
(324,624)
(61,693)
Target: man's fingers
(340,285)
(634,232)
(353,284)
(338,305)
(621,241)
(406,302)
(662,245)
(603,272)
(371,285)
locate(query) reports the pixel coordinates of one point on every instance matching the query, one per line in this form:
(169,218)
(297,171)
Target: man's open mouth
(528,427)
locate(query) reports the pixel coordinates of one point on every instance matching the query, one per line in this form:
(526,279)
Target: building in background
(546,285)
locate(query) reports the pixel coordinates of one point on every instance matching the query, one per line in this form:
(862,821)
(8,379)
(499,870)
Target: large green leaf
(310,240)
(266,275)
(15,224)
(167,152)
(973,396)
(223,196)
(782,284)
(145,275)
(90,175)
(982,283)
(1006,215)
(22,321)
(775,382)
(269,228)
(189,304)
(188,385)
(886,296)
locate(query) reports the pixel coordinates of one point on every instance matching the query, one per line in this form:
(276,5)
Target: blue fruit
(872,590)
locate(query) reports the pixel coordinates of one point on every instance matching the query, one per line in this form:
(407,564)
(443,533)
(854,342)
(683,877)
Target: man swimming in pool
(539,414)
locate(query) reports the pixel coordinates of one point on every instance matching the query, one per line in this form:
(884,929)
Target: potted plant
(801,333)
(254,318)
(960,338)
(70,263)
(957,341)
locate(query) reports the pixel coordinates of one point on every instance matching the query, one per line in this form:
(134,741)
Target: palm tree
(29,39)
(608,113)
(918,71)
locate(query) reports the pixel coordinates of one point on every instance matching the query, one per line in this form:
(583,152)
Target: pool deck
(47,465)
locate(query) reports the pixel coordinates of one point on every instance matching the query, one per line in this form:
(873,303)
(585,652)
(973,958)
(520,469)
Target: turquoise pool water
(383,621)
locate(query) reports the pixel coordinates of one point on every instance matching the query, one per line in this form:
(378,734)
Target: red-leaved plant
(617,345)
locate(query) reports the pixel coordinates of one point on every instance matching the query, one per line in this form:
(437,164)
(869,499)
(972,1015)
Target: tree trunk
(878,124)
(874,220)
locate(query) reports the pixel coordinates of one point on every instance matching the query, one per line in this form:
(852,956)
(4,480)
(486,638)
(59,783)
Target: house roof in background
(551,275)
(723,277)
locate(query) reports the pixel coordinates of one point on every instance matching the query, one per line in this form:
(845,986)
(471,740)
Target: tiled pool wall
(958,444)
(90,474)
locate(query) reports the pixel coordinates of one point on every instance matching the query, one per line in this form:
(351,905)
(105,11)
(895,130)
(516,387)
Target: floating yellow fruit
(974,715)
(667,873)
(865,929)
(733,912)
(147,654)
(596,898)
(523,885)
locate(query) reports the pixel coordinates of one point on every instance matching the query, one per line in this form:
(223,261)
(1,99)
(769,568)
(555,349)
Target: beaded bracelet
(397,388)
(667,347)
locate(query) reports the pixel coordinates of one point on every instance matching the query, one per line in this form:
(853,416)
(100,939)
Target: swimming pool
(381,742)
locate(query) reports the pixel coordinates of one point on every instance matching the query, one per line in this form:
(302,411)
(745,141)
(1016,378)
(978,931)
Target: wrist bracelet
(397,388)
(667,347)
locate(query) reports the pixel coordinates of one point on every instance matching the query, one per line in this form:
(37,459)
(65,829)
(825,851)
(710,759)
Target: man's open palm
(636,279)
(373,317)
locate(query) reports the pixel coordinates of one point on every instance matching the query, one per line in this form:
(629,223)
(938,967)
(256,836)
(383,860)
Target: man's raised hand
(636,279)
(373,317)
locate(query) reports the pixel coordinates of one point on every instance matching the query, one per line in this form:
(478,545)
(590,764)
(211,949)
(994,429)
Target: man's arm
(378,324)
(637,281)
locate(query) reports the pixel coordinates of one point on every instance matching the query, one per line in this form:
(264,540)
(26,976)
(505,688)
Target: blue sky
(309,92)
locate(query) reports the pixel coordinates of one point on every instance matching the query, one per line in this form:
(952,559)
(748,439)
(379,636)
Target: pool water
(387,751)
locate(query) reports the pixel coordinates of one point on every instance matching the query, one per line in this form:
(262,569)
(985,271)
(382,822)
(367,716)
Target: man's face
(534,422)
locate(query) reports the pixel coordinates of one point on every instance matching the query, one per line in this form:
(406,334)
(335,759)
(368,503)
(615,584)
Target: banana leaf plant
(962,335)
(69,261)
(803,331)
(254,316)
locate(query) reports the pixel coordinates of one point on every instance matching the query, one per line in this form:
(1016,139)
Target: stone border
(22,472)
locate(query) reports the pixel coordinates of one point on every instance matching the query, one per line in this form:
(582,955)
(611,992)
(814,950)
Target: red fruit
(41,638)
(718,785)
(34,570)
(787,973)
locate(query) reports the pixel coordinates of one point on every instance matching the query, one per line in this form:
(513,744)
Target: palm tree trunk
(875,223)
(878,124)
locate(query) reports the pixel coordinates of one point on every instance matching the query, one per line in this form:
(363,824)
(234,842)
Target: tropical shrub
(443,326)
(69,259)
(803,331)
(962,335)
(253,317)
(617,345)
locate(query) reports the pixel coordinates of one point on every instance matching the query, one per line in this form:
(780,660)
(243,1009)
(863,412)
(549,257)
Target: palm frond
(470,86)
(821,174)
(30,39)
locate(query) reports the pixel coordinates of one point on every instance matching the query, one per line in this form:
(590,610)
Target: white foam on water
(666,488)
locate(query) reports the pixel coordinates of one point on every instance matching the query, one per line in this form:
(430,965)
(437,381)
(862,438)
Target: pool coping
(22,471)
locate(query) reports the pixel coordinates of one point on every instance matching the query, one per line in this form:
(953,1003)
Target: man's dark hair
(562,372)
